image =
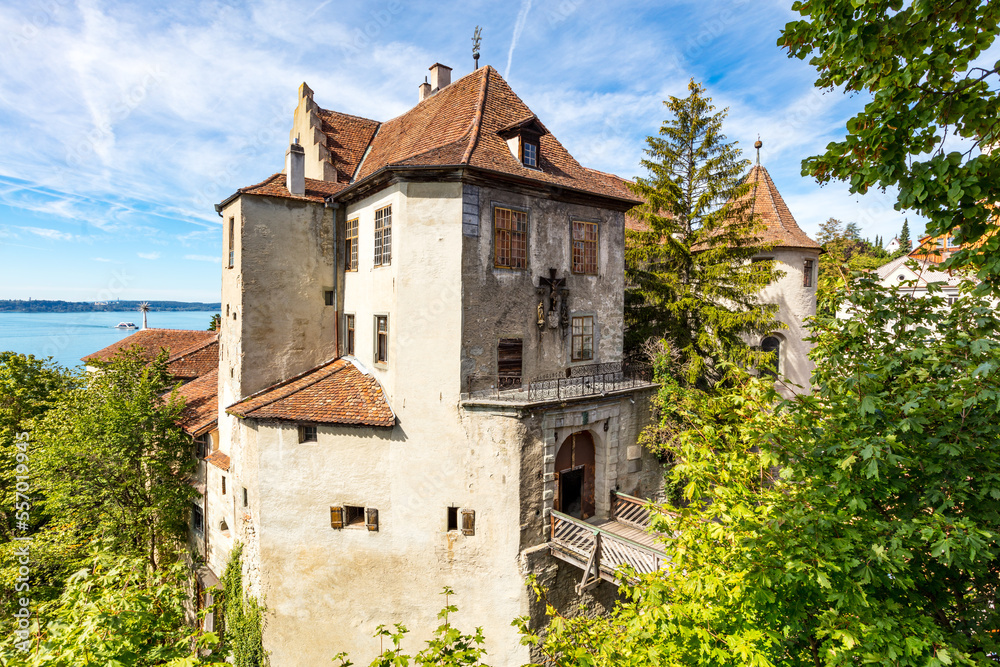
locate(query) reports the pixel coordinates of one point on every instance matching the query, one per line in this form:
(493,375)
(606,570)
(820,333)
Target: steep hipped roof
(334,393)
(201,403)
(192,353)
(780,228)
(460,125)
(275,186)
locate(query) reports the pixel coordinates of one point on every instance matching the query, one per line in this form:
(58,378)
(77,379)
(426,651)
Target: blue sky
(123,123)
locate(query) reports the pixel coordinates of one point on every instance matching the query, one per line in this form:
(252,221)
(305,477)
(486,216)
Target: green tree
(112,462)
(905,243)
(878,542)
(243,618)
(689,277)
(215,323)
(842,254)
(919,61)
(114,612)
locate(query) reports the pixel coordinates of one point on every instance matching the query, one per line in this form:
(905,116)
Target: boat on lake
(126,325)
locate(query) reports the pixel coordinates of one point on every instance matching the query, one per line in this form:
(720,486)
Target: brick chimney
(440,77)
(295,169)
(424,91)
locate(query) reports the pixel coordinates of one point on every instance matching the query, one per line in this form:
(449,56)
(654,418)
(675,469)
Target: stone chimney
(424,91)
(295,169)
(440,77)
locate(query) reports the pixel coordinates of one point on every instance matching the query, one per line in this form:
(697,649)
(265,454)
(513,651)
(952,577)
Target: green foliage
(916,60)
(113,613)
(876,543)
(844,252)
(689,279)
(449,647)
(111,461)
(215,323)
(243,629)
(905,242)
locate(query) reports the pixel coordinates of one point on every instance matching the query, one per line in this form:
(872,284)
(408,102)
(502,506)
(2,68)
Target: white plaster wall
(796,303)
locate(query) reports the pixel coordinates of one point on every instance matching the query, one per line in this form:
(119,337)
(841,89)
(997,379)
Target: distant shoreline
(46,306)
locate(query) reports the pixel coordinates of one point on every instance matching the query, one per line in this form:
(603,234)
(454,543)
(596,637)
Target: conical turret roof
(780,228)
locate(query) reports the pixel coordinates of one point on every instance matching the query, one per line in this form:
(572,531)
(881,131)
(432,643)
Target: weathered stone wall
(502,303)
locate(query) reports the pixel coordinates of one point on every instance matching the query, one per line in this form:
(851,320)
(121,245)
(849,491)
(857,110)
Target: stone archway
(575,475)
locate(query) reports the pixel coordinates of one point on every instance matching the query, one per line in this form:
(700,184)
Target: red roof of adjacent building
(201,404)
(219,460)
(460,125)
(192,353)
(335,393)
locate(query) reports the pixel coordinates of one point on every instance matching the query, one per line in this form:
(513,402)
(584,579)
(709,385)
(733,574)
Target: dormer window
(529,155)
(523,139)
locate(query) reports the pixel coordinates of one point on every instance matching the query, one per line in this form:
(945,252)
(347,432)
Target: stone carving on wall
(555,313)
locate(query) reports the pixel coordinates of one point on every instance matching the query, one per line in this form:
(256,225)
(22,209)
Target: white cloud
(522,17)
(203,258)
(51,234)
(149,255)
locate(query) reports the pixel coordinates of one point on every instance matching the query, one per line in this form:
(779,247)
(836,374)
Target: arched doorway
(575,475)
(771,344)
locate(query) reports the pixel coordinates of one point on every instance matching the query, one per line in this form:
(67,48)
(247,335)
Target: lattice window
(351,249)
(510,238)
(383,236)
(381,339)
(530,154)
(583,338)
(807,273)
(585,247)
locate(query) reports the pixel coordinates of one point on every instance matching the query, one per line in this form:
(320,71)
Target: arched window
(771,344)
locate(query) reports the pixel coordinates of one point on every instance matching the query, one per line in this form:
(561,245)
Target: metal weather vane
(476,38)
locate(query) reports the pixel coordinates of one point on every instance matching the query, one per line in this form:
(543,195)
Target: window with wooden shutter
(468,522)
(509,358)
(371,518)
(337,517)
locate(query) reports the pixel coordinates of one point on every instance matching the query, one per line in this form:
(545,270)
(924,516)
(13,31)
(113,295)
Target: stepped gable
(201,403)
(181,344)
(780,228)
(336,392)
(347,138)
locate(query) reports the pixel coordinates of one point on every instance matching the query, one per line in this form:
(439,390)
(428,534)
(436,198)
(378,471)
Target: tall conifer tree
(904,236)
(690,278)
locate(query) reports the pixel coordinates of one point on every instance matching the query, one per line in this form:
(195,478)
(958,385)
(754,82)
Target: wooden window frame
(383,236)
(351,245)
(536,145)
(354,515)
(581,335)
(468,522)
(223,485)
(808,268)
(350,331)
(510,238)
(584,249)
(505,377)
(308,433)
(197,518)
(380,358)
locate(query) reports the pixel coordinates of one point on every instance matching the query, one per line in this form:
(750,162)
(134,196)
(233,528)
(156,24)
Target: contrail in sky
(522,18)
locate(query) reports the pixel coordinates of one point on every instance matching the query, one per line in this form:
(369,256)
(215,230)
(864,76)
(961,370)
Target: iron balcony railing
(575,381)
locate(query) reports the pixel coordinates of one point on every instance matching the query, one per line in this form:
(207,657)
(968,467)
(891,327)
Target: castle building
(456,250)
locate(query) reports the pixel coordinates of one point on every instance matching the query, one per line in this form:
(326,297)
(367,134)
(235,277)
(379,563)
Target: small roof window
(524,140)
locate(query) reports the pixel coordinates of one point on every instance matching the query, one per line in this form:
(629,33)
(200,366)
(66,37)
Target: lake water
(66,337)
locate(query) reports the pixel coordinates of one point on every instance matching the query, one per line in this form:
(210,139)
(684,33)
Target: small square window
(307,433)
(530,156)
(452,518)
(328,297)
(354,516)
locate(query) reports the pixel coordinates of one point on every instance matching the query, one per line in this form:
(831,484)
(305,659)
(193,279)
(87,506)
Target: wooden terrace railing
(600,552)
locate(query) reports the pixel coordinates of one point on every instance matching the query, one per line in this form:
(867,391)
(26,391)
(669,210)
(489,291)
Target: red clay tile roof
(219,460)
(195,361)
(631,222)
(780,228)
(334,393)
(347,137)
(184,345)
(201,409)
(459,125)
(274,186)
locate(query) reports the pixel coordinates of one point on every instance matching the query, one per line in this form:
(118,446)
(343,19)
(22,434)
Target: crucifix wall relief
(553,303)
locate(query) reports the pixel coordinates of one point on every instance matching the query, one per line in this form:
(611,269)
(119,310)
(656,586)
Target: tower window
(772,367)
(232,242)
(807,273)
(307,433)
